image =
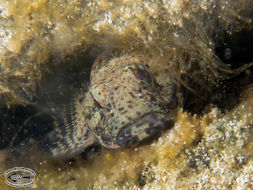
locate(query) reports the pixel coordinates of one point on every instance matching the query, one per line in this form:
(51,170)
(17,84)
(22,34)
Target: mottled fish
(126,102)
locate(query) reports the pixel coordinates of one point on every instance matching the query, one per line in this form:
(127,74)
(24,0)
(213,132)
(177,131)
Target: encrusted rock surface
(213,151)
(37,34)
(208,152)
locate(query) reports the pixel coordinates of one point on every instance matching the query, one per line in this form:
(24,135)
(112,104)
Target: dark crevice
(236,51)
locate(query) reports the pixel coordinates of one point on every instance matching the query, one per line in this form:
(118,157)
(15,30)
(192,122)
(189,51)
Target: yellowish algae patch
(213,151)
(210,152)
(35,34)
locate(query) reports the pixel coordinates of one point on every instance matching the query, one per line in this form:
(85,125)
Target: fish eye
(141,74)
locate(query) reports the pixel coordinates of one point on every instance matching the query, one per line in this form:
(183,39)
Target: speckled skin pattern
(124,104)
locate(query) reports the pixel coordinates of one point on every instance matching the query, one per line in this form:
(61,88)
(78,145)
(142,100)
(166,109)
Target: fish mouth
(142,128)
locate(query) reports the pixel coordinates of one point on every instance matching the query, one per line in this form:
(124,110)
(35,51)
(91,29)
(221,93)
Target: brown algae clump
(209,151)
(123,167)
(178,159)
(38,34)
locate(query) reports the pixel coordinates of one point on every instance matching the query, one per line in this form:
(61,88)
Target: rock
(37,35)
(210,151)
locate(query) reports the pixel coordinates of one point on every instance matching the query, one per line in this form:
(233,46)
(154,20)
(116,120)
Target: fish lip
(112,146)
(150,117)
(147,117)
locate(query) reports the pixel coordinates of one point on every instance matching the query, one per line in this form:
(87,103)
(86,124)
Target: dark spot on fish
(81,99)
(128,141)
(121,109)
(152,97)
(106,138)
(124,112)
(124,137)
(131,94)
(130,106)
(86,135)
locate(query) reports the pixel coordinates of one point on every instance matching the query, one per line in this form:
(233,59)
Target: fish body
(125,103)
